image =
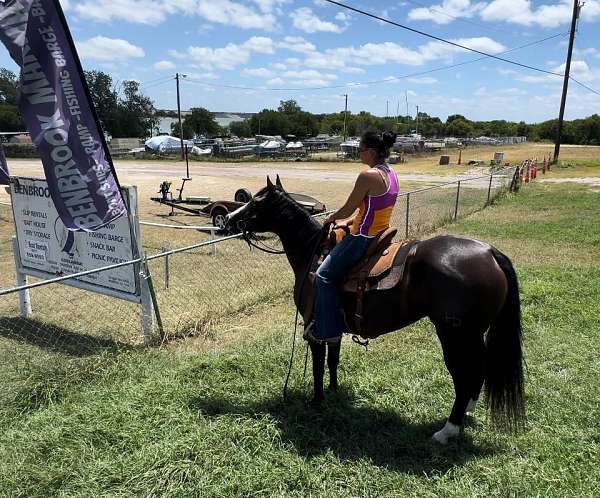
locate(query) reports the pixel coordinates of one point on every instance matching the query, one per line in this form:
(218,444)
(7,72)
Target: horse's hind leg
(318,363)
(333,360)
(463,355)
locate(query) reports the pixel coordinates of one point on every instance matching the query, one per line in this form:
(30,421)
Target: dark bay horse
(468,289)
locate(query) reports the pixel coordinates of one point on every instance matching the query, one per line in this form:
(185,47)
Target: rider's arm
(360,190)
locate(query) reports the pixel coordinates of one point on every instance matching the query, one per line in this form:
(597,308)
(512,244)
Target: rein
(263,249)
(321,236)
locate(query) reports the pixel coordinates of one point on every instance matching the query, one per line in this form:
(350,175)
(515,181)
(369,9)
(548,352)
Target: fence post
(407,213)
(489,189)
(164,247)
(212,237)
(24,297)
(457,197)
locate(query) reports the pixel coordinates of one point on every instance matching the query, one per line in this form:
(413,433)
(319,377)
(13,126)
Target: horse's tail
(504,356)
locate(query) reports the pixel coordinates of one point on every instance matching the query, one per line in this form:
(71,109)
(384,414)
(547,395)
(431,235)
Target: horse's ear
(278,183)
(269,182)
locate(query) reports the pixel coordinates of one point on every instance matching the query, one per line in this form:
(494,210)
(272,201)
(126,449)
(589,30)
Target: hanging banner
(57,109)
(4,178)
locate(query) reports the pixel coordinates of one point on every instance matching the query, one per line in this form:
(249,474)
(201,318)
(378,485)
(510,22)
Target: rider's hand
(330,219)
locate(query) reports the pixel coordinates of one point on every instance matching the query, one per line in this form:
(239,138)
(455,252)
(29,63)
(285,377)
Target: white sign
(47,247)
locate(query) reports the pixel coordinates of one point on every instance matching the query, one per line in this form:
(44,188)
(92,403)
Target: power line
(443,40)
(373,82)
(143,83)
(154,85)
(584,85)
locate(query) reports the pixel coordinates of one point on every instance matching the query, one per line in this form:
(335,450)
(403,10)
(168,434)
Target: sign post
(45,248)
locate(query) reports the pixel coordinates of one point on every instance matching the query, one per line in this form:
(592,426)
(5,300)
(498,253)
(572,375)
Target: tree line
(124,111)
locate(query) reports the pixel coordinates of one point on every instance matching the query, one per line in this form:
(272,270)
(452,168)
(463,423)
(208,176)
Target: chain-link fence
(195,286)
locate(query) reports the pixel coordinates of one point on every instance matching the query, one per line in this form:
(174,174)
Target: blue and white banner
(57,109)
(4,178)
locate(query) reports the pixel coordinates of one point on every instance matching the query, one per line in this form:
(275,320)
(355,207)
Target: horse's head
(261,213)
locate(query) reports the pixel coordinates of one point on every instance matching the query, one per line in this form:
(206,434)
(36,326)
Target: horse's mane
(299,218)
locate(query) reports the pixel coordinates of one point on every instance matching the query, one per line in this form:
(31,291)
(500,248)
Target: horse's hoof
(449,431)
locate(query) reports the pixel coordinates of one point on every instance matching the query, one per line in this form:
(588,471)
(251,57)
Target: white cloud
(228,12)
(424,80)
(524,13)
(270,5)
(275,81)
(446,12)
(137,11)
(236,14)
(342,16)
(309,74)
(391,52)
(164,65)
(101,48)
(260,44)
(259,72)
(227,57)
(297,44)
(306,20)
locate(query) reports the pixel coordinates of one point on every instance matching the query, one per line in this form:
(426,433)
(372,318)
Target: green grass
(205,417)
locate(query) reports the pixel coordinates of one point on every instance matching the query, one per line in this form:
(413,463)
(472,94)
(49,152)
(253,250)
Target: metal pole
(179,114)
(187,164)
(489,189)
(24,297)
(417,130)
(345,115)
(456,205)
(407,211)
(164,247)
(563,99)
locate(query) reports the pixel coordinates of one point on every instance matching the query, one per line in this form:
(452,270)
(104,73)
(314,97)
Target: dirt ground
(328,181)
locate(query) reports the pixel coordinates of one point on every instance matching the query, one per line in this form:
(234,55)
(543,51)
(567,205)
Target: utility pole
(417,130)
(345,115)
(387,108)
(179,115)
(561,114)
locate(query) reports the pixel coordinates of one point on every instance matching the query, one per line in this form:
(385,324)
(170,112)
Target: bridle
(247,236)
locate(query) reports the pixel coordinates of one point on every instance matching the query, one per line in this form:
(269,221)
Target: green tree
(241,128)
(201,122)
(136,113)
(459,128)
(289,107)
(104,98)
(269,122)
(10,118)
(8,87)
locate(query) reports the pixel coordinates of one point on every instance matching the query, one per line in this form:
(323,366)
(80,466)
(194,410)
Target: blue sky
(303,44)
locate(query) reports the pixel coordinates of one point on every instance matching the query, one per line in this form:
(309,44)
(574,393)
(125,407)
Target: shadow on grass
(353,432)
(56,339)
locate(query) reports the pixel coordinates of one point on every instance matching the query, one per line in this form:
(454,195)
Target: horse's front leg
(333,360)
(318,363)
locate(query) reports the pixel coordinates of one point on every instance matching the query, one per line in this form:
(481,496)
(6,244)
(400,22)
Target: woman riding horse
(468,289)
(374,195)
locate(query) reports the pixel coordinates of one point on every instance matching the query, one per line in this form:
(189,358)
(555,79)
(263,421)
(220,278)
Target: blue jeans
(328,319)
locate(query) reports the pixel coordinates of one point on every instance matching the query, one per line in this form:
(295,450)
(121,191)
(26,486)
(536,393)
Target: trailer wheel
(219,218)
(242,195)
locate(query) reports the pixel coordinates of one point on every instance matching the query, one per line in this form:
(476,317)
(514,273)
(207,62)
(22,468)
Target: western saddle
(381,267)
